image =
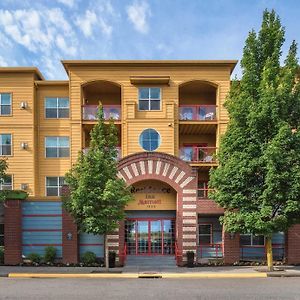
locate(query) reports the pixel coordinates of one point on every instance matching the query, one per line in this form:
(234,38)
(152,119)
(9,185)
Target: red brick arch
(176,173)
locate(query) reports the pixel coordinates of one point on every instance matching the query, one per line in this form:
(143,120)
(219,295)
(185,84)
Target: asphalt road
(144,289)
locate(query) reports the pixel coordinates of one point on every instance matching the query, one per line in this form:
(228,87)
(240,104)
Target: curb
(142,275)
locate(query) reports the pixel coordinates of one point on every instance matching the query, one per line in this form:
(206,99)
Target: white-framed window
(57,146)
(250,239)
(54,186)
(6,183)
(205,234)
(5,144)
(5,104)
(149,98)
(57,108)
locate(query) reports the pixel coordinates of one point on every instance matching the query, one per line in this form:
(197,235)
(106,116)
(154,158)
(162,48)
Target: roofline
(34,70)
(230,63)
(51,82)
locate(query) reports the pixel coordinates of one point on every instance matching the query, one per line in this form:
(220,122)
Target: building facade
(170,117)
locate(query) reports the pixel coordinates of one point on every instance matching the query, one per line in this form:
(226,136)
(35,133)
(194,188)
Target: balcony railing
(119,153)
(198,154)
(197,112)
(89,112)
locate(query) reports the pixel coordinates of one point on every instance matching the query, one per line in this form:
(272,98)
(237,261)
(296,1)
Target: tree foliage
(258,177)
(3,168)
(97,197)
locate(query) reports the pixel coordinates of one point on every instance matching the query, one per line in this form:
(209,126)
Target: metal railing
(89,112)
(198,154)
(210,250)
(258,252)
(197,112)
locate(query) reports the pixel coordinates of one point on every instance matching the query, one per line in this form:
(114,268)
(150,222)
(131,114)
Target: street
(134,289)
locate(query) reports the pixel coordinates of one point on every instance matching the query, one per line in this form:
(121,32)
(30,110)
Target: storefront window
(205,234)
(252,240)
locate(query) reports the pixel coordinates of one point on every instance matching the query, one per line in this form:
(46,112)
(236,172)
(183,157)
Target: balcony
(111,112)
(119,152)
(197,112)
(204,155)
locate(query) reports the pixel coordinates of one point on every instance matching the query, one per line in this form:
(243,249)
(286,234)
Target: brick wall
(12,232)
(70,246)
(231,248)
(293,245)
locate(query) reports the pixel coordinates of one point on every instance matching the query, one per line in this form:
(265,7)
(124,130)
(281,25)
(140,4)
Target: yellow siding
(30,166)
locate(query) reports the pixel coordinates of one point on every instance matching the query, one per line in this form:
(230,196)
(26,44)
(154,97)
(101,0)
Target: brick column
(293,245)
(231,248)
(121,243)
(12,232)
(69,246)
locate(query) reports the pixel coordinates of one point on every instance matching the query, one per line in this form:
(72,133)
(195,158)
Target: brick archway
(176,173)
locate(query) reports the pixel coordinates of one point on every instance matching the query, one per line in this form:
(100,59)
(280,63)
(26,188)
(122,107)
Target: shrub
(89,258)
(1,255)
(34,257)
(50,254)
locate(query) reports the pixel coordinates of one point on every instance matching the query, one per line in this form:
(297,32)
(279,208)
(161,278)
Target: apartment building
(170,117)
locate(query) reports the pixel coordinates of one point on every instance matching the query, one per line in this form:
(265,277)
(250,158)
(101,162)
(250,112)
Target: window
(57,108)
(252,240)
(57,146)
(149,98)
(202,189)
(5,144)
(5,104)
(54,185)
(1,234)
(149,139)
(6,183)
(205,234)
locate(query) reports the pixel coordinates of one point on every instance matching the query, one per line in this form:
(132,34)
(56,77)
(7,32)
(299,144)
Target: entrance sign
(152,195)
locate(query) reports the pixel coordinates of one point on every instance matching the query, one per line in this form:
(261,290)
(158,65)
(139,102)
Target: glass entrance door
(150,236)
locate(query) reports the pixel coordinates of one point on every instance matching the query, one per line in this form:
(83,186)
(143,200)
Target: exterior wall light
(69,236)
(24,145)
(23,105)
(24,186)
(232,235)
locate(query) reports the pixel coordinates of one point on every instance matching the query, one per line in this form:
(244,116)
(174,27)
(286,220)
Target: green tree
(96,197)
(258,177)
(3,168)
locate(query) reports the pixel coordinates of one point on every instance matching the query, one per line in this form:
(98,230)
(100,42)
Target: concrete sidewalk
(197,272)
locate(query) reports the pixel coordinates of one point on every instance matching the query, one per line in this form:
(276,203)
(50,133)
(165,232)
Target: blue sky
(43,32)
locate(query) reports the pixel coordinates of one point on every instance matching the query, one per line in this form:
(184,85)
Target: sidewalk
(199,272)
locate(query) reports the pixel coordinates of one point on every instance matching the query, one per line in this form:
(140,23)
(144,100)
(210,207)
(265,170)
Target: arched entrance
(172,172)
(150,225)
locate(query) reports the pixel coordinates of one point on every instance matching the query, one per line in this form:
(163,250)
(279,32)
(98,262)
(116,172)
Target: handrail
(198,154)
(198,112)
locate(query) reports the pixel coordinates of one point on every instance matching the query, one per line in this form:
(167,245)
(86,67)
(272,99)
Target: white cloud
(90,22)
(86,23)
(69,3)
(3,62)
(138,13)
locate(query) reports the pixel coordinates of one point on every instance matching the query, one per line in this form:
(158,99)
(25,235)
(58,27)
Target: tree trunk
(106,254)
(269,252)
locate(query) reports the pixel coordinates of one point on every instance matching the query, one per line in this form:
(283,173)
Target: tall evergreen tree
(97,197)
(258,177)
